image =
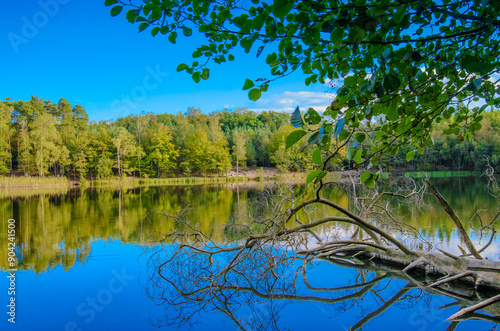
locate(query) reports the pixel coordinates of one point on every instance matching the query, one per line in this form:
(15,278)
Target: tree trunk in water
(458,223)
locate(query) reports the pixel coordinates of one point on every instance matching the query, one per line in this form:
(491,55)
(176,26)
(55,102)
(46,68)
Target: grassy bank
(433,174)
(293,178)
(33,182)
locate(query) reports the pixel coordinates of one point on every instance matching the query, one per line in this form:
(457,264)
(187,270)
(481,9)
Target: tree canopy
(399,67)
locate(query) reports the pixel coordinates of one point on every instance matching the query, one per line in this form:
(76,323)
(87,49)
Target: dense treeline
(454,151)
(42,138)
(38,137)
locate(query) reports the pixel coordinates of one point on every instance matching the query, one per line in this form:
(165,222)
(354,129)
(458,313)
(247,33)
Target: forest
(41,138)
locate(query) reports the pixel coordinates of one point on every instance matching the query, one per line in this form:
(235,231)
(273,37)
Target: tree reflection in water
(252,290)
(253,277)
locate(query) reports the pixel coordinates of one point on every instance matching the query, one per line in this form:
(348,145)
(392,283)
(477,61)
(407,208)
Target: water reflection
(55,227)
(260,291)
(268,290)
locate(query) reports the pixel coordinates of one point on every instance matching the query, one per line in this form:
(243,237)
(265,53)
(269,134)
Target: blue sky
(75,50)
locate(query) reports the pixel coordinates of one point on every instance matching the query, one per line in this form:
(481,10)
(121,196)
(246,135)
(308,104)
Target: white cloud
(288,100)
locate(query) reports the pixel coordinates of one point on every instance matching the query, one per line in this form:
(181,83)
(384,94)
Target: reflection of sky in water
(63,299)
(492,252)
(114,275)
(52,299)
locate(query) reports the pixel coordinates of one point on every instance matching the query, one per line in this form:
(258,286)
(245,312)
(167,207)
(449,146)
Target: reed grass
(33,181)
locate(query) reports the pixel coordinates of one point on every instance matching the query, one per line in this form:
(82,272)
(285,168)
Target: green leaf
(471,64)
(357,157)
(391,82)
(370,182)
(410,155)
(360,137)
(254,94)
(364,176)
(182,66)
(155,31)
(316,157)
(116,10)
(293,137)
(475,85)
(131,15)
(312,116)
(312,175)
(343,134)
(282,7)
(316,137)
(296,119)
(196,76)
(392,114)
(343,91)
(187,31)
(399,14)
(320,176)
(143,26)
(248,84)
(247,43)
(364,87)
(110,2)
(172,37)
(205,73)
(156,14)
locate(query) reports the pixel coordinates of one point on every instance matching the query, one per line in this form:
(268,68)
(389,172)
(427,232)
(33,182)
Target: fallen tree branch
(472,309)
(458,223)
(449,279)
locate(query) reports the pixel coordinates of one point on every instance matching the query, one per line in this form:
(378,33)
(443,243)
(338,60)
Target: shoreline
(248,175)
(245,175)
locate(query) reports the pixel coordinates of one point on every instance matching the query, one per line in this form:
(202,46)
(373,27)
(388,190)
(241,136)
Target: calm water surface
(83,259)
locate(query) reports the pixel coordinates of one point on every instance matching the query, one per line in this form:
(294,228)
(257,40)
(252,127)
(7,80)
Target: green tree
(239,149)
(47,148)
(219,150)
(220,157)
(287,159)
(197,153)
(5,135)
(99,151)
(65,120)
(163,152)
(404,63)
(80,121)
(125,151)
(182,129)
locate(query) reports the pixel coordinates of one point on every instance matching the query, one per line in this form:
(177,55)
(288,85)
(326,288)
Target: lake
(87,261)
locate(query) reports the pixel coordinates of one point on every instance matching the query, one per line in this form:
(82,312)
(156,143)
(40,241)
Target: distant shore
(243,175)
(232,176)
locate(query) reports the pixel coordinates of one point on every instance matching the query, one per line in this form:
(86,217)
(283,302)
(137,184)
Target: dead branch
(472,309)
(452,278)
(458,223)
